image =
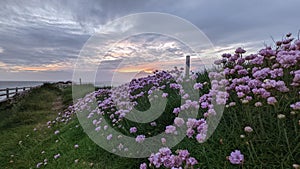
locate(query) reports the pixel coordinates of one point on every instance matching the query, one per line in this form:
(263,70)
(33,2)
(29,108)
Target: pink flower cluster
(164,157)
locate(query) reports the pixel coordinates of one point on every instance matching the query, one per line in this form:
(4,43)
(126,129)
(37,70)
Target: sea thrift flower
(236,157)
(295,106)
(109,137)
(56,132)
(163,140)
(248,129)
(176,110)
(271,100)
(190,132)
(198,86)
(140,138)
(201,137)
(164,95)
(153,124)
(98,128)
(170,129)
(258,104)
(232,104)
(143,166)
(296,166)
(280,116)
(39,165)
(56,156)
(133,130)
(191,161)
(178,121)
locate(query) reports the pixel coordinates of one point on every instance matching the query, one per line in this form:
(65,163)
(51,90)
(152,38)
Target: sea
(13,84)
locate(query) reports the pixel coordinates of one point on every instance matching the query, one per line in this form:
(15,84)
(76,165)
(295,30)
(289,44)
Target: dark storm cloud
(53,31)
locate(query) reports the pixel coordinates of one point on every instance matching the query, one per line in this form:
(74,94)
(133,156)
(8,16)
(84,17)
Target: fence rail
(10,92)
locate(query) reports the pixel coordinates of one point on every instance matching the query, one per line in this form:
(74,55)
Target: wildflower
(39,165)
(140,138)
(56,132)
(191,161)
(232,104)
(170,129)
(56,156)
(184,154)
(133,130)
(296,166)
(271,100)
(143,166)
(242,136)
(280,116)
(176,110)
(178,121)
(201,137)
(98,128)
(198,86)
(240,50)
(236,157)
(163,140)
(190,132)
(105,127)
(248,129)
(109,137)
(164,95)
(258,104)
(76,161)
(76,146)
(295,106)
(153,124)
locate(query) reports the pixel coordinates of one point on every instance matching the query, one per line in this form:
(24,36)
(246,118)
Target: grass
(275,143)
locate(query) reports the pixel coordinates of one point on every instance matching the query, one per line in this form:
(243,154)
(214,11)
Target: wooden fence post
(7,93)
(187,66)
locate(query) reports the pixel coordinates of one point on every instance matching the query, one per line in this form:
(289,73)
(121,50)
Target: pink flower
(163,140)
(271,100)
(164,95)
(178,121)
(56,156)
(236,157)
(170,129)
(143,166)
(201,137)
(133,130)
(248,129)
(240,51)
(109,137)
(140,138)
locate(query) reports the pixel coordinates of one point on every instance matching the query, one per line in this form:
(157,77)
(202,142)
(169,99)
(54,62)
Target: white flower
(280,116)
(248,129)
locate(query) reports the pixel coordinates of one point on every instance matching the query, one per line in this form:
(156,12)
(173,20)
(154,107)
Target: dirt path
(57,105)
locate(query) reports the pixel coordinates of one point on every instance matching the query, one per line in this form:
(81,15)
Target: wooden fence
(10,92)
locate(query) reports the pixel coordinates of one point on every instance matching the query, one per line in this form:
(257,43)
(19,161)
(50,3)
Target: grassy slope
(274,143)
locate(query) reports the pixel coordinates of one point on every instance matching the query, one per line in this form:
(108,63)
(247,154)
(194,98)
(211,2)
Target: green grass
(275,143)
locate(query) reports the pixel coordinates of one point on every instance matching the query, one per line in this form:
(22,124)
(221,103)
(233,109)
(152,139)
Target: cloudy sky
(44,40)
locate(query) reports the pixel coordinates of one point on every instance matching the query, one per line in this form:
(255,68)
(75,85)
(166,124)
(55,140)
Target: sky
(49,40)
